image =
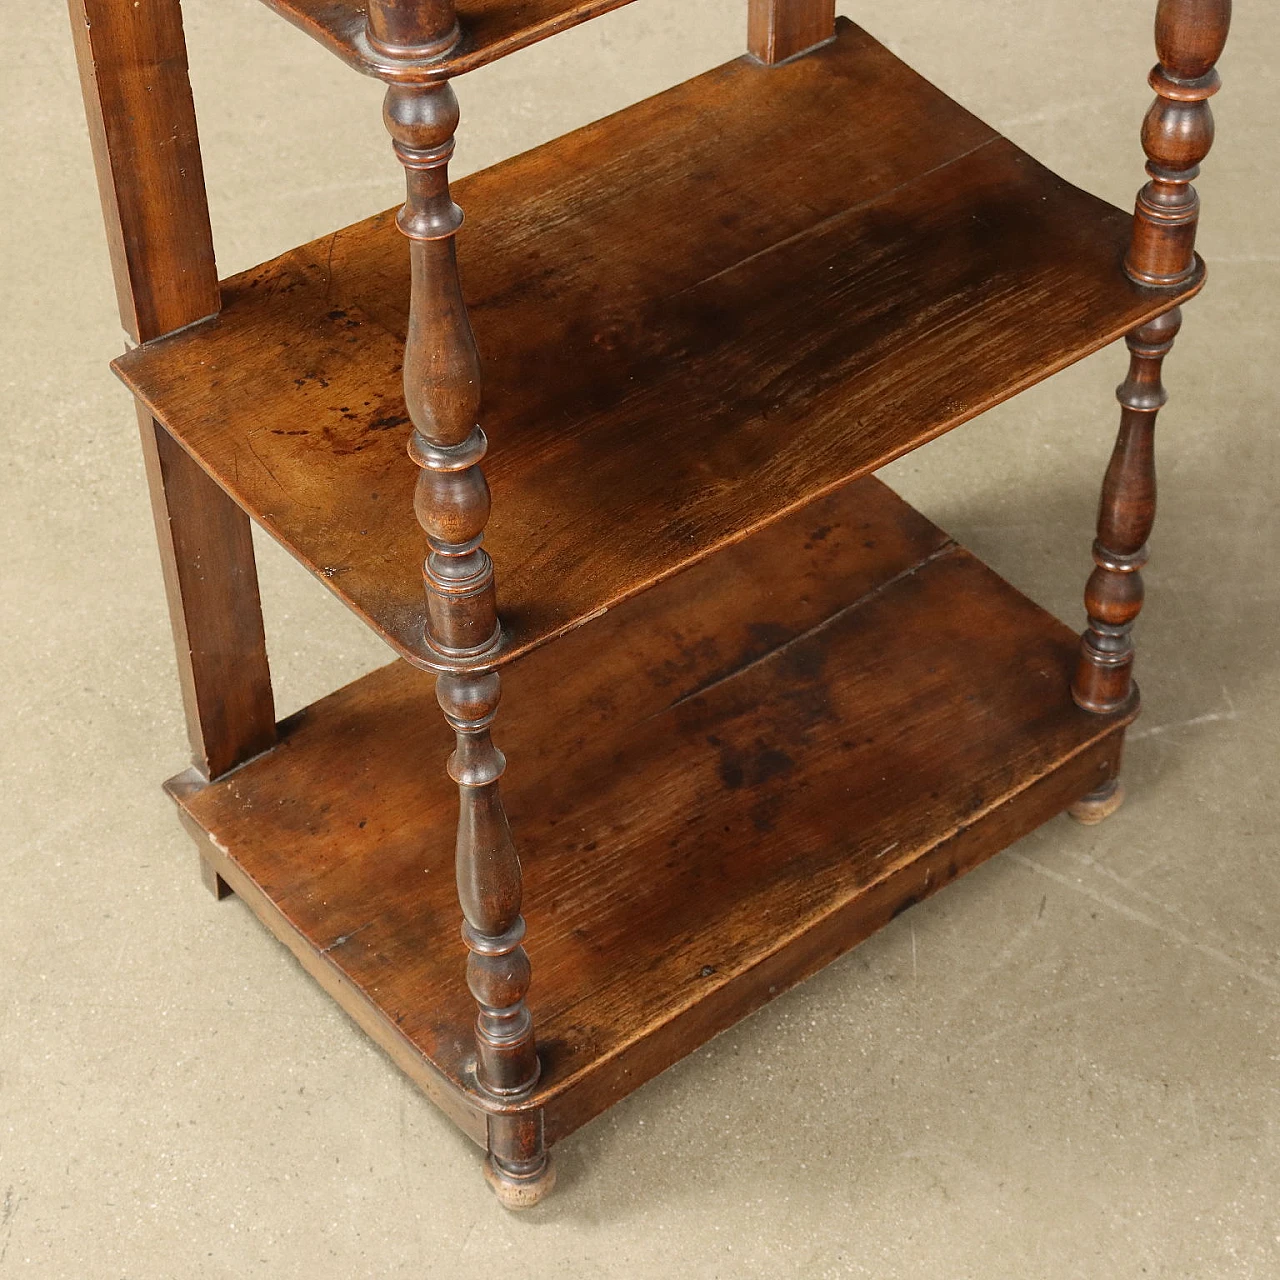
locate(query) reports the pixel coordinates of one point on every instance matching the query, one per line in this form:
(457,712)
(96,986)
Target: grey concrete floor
(1067,1065)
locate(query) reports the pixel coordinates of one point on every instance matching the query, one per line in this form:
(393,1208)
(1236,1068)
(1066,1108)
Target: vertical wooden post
(412,28)
(442,392)
(782,29)
(133,72)
(1177,135)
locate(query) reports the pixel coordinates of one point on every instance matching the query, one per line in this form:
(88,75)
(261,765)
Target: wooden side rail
(137,94)
(412,30)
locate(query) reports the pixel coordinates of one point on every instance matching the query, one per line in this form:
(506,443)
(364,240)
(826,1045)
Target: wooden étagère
(715,703)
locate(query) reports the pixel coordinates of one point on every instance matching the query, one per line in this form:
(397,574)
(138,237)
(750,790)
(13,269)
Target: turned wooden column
(1176,135)
(498,973)
(442,392)
(412,29)
(1114,593)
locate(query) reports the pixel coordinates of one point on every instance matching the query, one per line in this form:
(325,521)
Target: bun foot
(516,1191)
(1099,804)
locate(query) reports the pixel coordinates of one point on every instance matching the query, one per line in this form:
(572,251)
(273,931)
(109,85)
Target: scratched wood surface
(714,791)
(692,317)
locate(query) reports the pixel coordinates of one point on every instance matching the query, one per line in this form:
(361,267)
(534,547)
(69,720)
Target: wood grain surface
(674,352)
(142,125)
(490,29)
(715,789)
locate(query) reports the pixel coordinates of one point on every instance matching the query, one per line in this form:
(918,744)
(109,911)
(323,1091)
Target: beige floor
(1068,1065)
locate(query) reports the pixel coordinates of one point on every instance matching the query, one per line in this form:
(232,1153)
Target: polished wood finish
(137,96)
(411,39)
(442,387)
(778,30)
(498,972)
(442,397)
(211,579)
(643,407)
(816,729)
(133,71)
(403,30)
(1113,596)
(1177,134)
(697,325)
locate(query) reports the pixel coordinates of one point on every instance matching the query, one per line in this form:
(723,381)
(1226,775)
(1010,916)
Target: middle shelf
(694,316)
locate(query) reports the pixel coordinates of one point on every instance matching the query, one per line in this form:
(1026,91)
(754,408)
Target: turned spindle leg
(442,391)
(1176,134)
(1113,596)
(498,968)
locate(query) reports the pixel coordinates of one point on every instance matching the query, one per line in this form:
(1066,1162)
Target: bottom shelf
(716,789)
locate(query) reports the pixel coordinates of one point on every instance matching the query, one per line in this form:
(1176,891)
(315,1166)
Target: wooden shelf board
(694,316)
(491,29)
(726,783)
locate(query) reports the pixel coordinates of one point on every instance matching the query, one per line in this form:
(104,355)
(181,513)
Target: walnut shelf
(694,316)
(719,788)
(643,390)
(490,29)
